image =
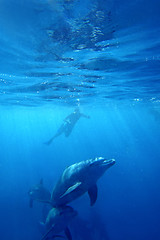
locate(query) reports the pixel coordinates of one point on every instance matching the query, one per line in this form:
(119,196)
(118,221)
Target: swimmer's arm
(85,116)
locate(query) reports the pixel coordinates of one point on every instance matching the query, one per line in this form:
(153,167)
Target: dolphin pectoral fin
(45,201)
(92,192)
(68,233)
(71,189)
(31,203)
(45,236)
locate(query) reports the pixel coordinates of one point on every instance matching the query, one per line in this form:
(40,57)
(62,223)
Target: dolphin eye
(91,164)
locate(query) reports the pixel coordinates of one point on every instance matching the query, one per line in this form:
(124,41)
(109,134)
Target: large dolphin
(39,193)
(79,178)
(57,221)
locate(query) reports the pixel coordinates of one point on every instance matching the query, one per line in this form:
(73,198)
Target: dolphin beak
(103,162)
(109,162)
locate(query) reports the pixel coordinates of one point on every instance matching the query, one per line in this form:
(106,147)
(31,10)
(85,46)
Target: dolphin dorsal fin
(71,189)
(92,192)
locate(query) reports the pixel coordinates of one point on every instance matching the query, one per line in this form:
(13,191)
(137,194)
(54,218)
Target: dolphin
(79,178)
(39,193)
(57,221)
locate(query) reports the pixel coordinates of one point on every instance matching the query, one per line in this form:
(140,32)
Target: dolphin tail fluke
(92,192)
(68,233)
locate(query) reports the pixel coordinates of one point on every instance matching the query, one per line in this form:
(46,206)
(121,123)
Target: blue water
(103,56)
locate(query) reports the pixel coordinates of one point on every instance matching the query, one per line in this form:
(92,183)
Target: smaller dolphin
(57,221)
(79,178)
(39,193)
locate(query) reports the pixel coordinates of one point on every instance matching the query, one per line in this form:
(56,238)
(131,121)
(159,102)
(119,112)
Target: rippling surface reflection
(79,51)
